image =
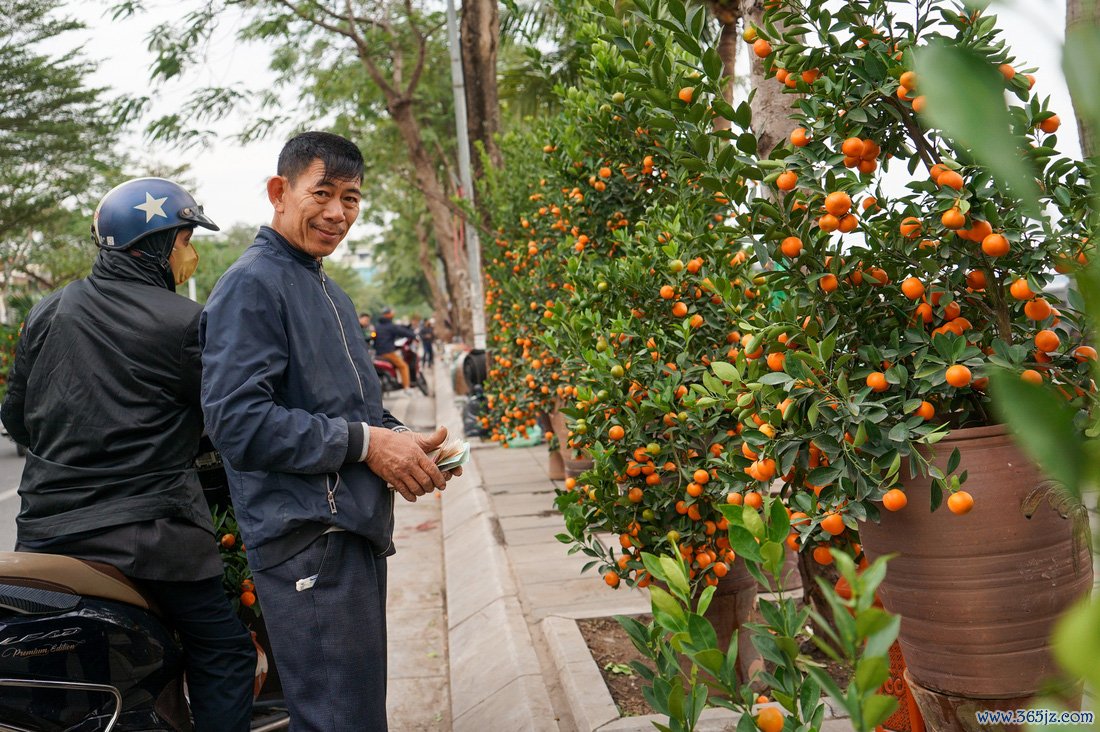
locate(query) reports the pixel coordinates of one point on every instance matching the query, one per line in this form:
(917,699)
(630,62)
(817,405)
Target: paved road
(11,467)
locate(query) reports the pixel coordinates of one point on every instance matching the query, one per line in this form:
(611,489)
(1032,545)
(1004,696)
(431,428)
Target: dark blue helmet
(142,206)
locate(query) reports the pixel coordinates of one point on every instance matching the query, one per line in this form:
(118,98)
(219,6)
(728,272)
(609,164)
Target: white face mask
(184,260)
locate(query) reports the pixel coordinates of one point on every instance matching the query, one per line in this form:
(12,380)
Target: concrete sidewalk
(419,691)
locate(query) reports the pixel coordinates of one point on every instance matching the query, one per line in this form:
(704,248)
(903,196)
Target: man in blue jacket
(293,404)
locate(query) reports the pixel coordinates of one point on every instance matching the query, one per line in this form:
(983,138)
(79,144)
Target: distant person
(386,333)
(104,392)
(294,406)
(427,339)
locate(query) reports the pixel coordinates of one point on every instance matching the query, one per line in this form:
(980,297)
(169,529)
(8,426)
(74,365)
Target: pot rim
(974,433)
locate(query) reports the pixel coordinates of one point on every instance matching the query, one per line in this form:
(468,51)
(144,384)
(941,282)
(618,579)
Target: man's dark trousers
(221,658)
(329,636)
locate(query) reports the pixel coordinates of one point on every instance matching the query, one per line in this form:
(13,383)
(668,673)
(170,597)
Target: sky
(229,178)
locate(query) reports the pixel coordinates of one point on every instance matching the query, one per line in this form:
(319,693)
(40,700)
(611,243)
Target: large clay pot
(573,465)
(733,605)
(979,594)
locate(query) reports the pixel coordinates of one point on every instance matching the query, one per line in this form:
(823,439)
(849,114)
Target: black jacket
(386,332)
(287,386)
(104,392)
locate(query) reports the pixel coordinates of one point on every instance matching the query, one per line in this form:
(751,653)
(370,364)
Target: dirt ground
(612,650)
(610,645)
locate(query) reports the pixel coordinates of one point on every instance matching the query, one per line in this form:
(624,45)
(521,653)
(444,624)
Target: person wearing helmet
(386,332)
(104,393)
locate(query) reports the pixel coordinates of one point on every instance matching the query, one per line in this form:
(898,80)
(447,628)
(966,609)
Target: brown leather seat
(68,574)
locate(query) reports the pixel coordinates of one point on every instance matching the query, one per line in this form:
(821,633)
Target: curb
(495,676)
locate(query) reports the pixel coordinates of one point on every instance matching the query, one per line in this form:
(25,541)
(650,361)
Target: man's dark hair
(340,156)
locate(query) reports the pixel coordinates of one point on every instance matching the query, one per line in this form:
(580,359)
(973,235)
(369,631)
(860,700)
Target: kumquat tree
(772,351)
(898,305)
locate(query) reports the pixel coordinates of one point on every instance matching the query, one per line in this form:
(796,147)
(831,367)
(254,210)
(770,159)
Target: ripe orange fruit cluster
(838,216)
(861,154)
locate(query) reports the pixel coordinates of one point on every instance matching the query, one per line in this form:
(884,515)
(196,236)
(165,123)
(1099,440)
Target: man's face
(364,321)
(314,214)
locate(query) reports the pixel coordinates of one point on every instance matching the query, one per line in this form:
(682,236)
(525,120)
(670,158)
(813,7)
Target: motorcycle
(82,650)
(387,372)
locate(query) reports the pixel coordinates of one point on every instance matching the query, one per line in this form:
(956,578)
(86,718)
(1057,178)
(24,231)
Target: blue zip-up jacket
(285,370)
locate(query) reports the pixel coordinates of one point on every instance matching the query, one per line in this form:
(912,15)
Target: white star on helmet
(152,207)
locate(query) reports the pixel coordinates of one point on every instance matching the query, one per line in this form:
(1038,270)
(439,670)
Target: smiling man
(292,402)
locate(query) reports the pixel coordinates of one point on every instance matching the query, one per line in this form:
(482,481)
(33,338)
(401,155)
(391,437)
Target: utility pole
(473,242)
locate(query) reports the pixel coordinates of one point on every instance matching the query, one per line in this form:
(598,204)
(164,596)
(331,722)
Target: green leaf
(704,600)
(712,64)
(1042,423)
(675,576)
(772,552)
(726,371)
(753,522)
(1077,641)
(826,682)
(775,378)
(711,659)
(667,606)
(966,99)
(653,565)
(779,523)
(877,708)
(701,632)
(744,544)
(879,642)
(871,672)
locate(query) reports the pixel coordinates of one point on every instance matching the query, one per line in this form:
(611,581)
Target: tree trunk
(727,14)
(480,35)
(440,302)
(1082,11)
(452,252)
(771,108)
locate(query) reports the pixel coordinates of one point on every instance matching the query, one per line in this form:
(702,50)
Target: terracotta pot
(733,605)
(555,470)
(979,594)
(573,465)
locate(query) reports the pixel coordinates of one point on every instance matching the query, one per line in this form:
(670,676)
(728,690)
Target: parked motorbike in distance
(82,650)
(412,358)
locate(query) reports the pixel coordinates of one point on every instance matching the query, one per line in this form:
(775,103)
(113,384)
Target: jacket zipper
(331,489)
(344,338)
(343,335)
(393,497)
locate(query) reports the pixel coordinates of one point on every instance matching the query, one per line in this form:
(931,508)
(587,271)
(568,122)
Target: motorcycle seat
(69,575)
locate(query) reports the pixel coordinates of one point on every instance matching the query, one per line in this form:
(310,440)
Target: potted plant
(900,298)
(241,591)
(629,214)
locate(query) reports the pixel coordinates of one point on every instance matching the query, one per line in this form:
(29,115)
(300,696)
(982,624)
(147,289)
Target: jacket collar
(280,243)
